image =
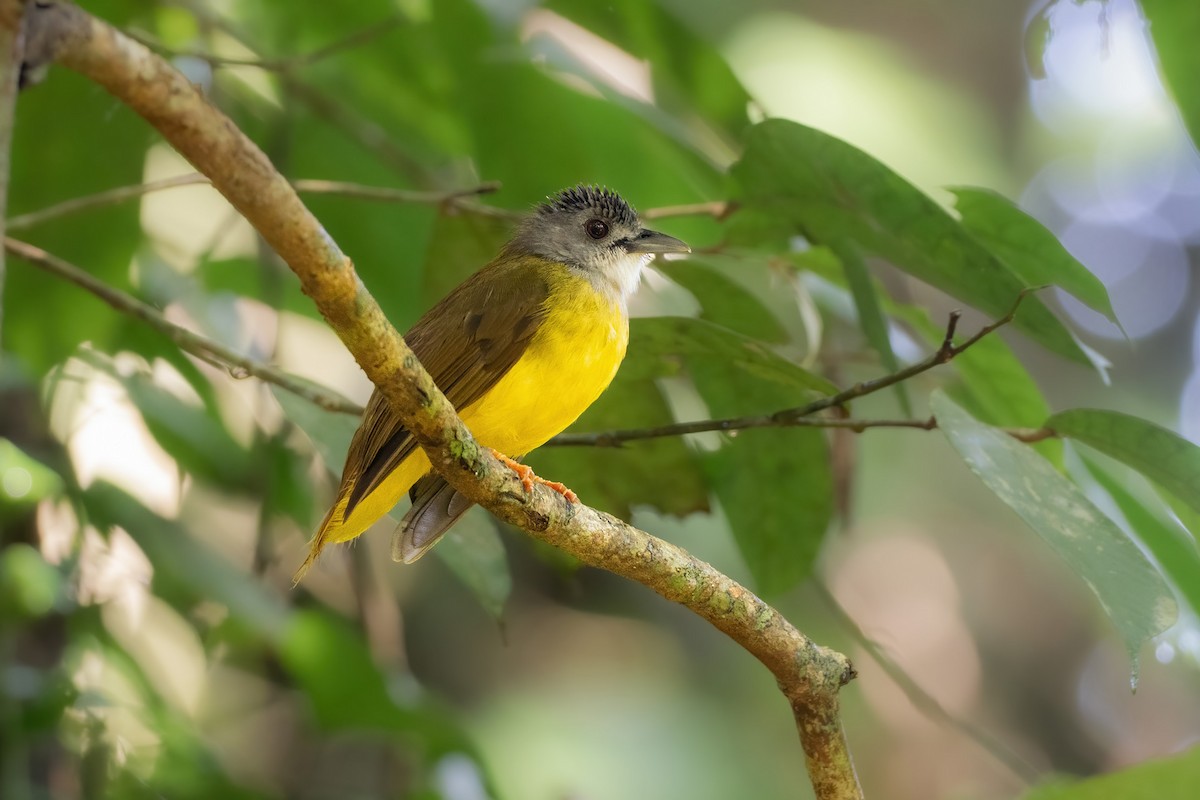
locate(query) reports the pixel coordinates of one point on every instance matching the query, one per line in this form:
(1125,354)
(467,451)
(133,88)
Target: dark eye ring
(596,228)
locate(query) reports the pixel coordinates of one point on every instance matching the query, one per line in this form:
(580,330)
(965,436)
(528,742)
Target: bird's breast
(569,362)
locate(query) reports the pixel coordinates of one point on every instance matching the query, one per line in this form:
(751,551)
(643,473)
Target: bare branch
(189,341)
(808,674)
(356,190)
(356,39)
(792,417)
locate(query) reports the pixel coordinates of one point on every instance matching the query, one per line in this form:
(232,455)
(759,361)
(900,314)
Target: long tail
(320,539)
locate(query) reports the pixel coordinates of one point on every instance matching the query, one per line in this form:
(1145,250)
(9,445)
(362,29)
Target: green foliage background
(150,642)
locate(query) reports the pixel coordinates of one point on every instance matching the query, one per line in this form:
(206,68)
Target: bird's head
(594,231)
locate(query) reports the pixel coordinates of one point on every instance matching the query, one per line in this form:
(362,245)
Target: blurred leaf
(1175,29)
(690,76)
(193,435)
(1028,248)
(1161,455)
(347,691)
(659,345)
(269,282)
(288,489)
(830,191)
(54,160)
(329,432)
(1172,547)
(187,562)
(1174,778)
(23,480)
(536,134)
(774,484)
(459,245)
(723,301)
(474,553)
(870,314)
(1129,588)
(1188,516)
(663,473)
(29,586)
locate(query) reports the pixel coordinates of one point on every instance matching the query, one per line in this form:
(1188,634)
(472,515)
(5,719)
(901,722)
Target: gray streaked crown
(600,199)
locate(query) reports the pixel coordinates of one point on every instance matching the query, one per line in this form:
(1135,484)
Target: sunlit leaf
(174,552)
(1129,588)
(1028,248)
(1161,455)
(830,191)
(1174,778)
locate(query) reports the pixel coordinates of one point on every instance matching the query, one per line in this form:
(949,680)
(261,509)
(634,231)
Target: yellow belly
(568,364)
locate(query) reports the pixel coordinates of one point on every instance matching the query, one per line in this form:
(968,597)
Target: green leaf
(1028,248)
(459,245)
(1174,778)
(658,346)
(1129,588)
(23,480)
(690,76)
(775,485)
(473,551)
(288,490)
(53,162)
(663,473)
(329,432)
(187,562)
(724,301)
(1172,547)
(333,667)
(830,191)
(1161,455)
(1175,29)
(870,313)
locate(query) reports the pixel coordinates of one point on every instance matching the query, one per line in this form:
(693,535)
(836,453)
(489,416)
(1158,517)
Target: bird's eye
(596,228)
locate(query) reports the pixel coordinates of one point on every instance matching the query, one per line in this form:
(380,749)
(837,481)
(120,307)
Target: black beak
(654,242)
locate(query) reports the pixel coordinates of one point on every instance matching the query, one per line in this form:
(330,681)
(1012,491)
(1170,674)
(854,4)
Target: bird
(521,348)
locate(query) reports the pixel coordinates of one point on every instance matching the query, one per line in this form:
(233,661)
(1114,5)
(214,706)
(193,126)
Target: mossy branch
(808,674)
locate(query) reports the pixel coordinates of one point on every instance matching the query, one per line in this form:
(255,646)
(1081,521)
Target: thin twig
(792,416)
(615,438)
(105,198)
(717,209)
(304,186)
(198,345)
(285,63)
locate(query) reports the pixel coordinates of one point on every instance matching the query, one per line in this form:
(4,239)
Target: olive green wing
(467,342)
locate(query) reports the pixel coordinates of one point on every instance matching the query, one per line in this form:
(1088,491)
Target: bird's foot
(528,478)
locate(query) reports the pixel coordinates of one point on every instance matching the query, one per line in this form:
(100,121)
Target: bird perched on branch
(521,349)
